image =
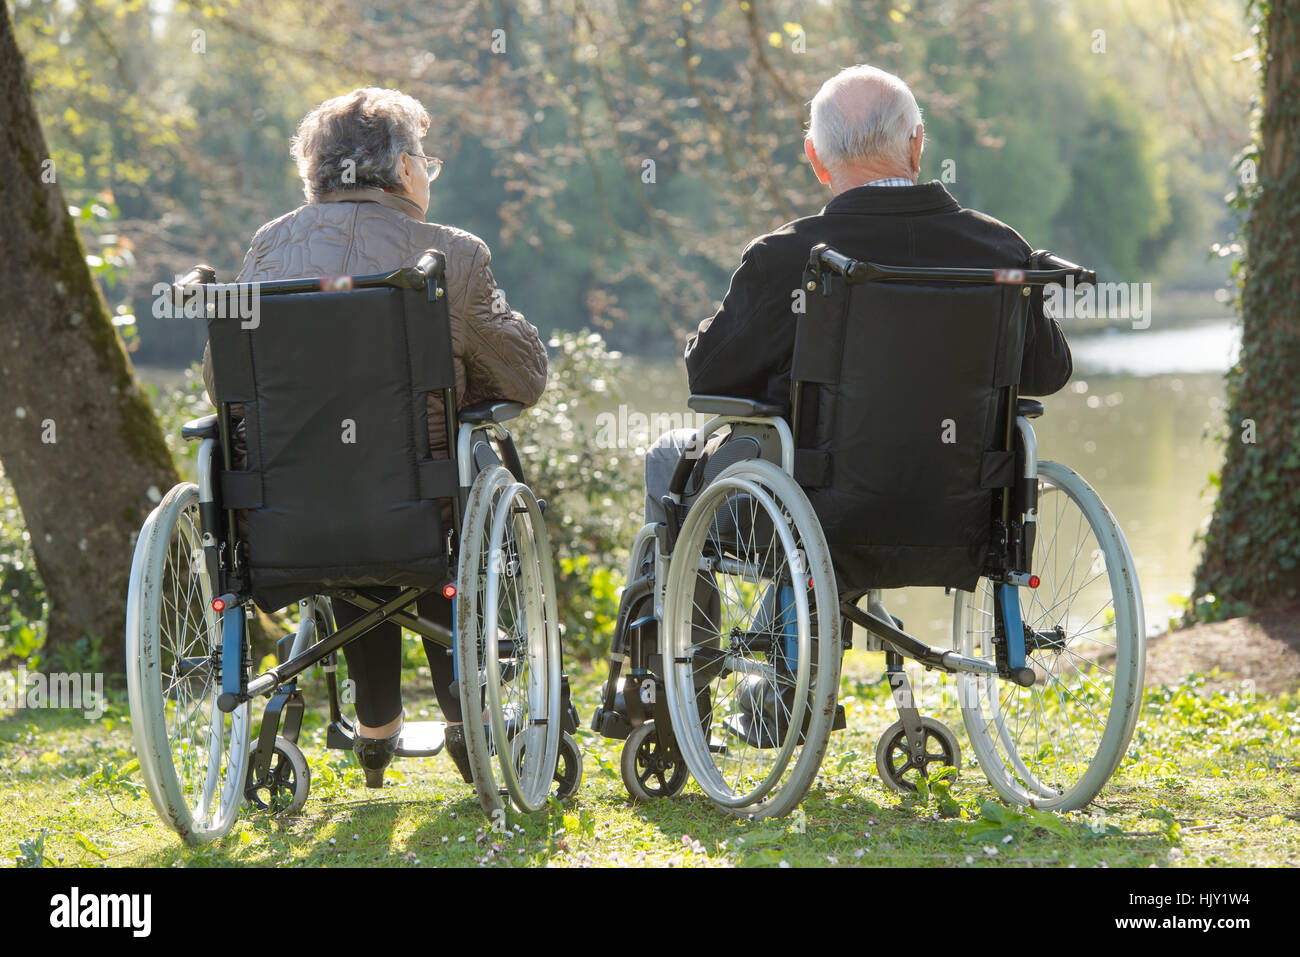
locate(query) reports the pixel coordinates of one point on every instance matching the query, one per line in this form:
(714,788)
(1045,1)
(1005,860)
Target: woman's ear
(405,173)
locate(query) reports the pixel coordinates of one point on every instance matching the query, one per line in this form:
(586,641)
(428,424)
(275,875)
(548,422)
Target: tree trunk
(78,437)
(1252,546)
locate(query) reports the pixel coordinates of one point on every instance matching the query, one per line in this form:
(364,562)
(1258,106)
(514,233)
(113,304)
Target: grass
(1209,780)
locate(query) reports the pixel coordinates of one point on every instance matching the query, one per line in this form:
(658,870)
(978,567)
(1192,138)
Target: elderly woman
(366,177)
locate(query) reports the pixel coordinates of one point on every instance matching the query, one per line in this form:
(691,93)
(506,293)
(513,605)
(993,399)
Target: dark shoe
(454,742)
(764,714)
(762,717)
(374,754)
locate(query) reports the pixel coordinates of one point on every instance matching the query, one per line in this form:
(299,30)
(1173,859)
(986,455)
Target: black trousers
(375,661)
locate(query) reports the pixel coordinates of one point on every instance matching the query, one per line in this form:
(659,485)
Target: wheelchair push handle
(201,273)
(1042,259)
(429,265)
(823,255)
(1042,269)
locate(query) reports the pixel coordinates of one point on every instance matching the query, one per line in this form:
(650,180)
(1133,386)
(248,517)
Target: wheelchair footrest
(420,739)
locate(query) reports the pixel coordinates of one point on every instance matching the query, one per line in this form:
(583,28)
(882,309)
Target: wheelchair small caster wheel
(568,765)
(284,789)
(646,775)
(568,769)
(896,764)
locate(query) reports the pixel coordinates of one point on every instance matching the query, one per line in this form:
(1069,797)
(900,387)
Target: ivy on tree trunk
(1252,545)
(78,438)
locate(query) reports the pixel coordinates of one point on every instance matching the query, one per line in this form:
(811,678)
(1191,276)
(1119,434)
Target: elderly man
(864,141)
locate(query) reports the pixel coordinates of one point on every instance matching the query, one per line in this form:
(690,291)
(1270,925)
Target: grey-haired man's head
(864,126)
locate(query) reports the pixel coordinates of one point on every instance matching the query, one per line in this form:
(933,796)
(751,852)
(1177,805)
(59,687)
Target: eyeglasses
(433,165)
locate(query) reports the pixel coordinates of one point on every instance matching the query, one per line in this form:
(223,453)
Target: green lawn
(1208,780)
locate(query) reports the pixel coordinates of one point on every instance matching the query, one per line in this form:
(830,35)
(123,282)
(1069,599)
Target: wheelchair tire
(1055,745)
(752,719)
(568,768)
(895,765)
(287,783)
(506,611)
(646,781)
(193,756)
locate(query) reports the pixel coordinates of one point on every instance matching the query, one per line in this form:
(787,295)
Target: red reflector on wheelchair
(218,604)
(1008,275)
(448,591)
(1033,581)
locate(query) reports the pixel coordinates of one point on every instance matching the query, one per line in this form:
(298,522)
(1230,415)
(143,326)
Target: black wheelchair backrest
(901,392)
(340,488)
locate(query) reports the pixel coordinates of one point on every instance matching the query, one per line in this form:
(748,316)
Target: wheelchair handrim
(692,536)
(542,685)
(196,822)
(990,732)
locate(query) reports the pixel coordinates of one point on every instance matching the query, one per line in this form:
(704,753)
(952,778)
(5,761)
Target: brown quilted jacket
(498,353)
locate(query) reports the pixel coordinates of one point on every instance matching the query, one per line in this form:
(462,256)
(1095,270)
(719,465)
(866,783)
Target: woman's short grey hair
(356,140)
(863,113)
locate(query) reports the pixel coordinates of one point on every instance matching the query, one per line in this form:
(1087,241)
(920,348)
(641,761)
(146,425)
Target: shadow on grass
(848,827)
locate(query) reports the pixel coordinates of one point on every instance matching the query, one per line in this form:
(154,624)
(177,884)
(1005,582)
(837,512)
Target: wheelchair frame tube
(785,607)
(449,421)
(1012,624)
(904,644)
(232,653)
(424,627)
(278,675)
(232,528)
(1030,479)
(1008,443)
(209,515)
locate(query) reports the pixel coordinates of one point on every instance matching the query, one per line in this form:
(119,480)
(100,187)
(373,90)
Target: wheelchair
(360,512)
(725,662)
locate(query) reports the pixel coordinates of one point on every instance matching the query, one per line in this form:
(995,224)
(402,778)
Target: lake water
(1134,421)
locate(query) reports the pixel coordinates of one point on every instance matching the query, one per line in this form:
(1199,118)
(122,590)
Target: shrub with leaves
(593,494)
(23,603)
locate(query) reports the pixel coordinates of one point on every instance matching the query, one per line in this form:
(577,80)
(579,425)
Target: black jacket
(745,350)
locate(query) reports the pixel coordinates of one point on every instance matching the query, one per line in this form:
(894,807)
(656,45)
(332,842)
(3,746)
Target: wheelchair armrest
(204,428)
(730,405)
(493,410)
(1029,408)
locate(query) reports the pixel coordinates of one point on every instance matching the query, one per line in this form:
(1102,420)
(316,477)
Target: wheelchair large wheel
(1055,745)
(508,645)
(193,756)
(752,641)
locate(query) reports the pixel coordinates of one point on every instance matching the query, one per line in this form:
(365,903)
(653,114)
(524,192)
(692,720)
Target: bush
(593,494)
(23,603)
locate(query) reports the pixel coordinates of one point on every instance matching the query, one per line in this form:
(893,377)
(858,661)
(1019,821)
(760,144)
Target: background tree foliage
(549,115)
